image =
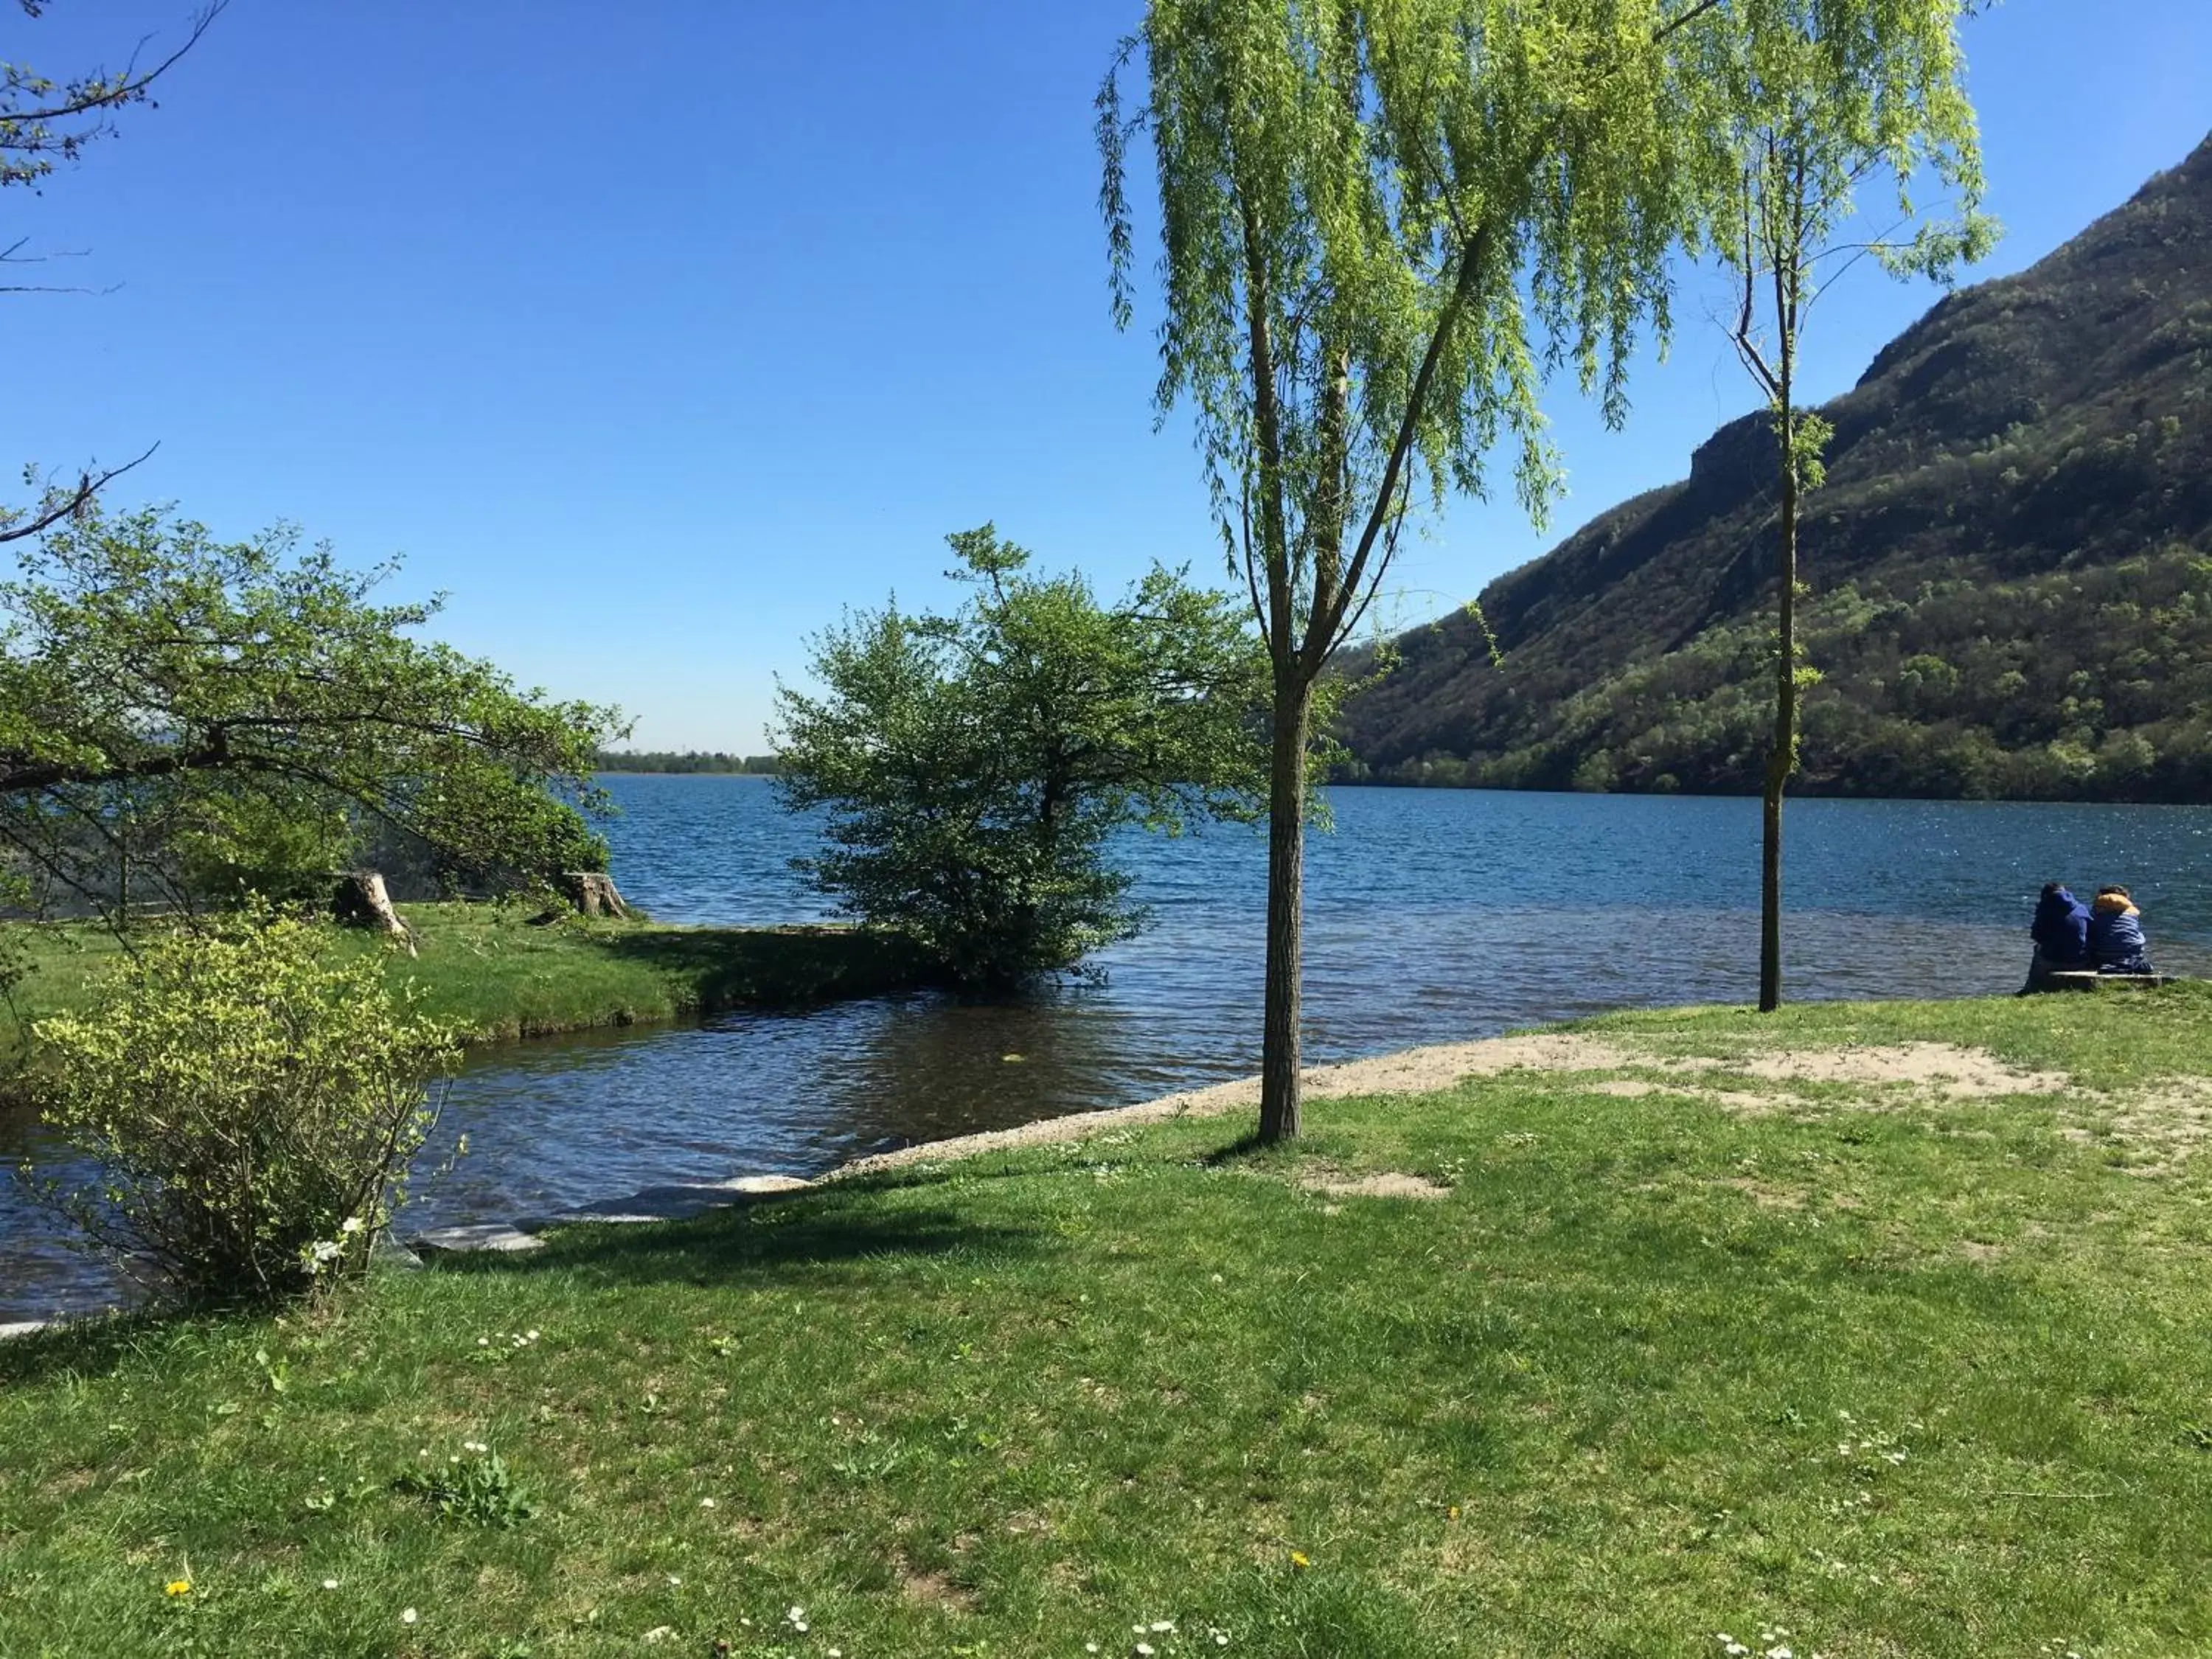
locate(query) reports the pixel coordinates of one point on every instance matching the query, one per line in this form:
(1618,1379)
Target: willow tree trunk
(1286,847)
(1782,760)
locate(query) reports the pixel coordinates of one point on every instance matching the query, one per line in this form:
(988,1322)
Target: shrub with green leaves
(252,1101)
(973,768)
(277,843)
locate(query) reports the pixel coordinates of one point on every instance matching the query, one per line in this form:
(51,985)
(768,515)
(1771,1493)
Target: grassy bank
(1800,1330)
(486,968)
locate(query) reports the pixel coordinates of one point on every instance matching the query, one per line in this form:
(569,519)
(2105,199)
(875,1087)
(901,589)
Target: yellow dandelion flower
(179,1587)
(1298,1558)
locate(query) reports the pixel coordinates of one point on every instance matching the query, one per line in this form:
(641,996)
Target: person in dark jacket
(2116,944)
(2061,933)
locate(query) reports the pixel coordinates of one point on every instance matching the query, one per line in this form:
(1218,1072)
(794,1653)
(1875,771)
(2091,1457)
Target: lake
(1432,916)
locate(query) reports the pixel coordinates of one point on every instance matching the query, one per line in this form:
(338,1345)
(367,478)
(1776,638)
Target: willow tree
(1383,224)
(1830,104)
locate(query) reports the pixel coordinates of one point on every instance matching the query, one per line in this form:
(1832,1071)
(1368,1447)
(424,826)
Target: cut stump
(361,901)
(592,892)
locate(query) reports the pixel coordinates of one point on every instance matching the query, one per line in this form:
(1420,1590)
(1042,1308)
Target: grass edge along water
(488,969)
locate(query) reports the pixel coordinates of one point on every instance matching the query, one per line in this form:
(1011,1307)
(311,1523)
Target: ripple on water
(1433,916)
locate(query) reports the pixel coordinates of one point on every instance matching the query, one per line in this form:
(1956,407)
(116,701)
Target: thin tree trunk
(1287,843)
(1782,760)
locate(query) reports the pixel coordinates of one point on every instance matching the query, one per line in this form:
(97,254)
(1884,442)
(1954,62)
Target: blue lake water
(1432,916)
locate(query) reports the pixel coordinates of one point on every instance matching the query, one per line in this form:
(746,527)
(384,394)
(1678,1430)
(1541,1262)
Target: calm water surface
(1432,916)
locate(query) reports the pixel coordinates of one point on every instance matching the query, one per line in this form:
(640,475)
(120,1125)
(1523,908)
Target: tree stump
(592,892)
(361,901)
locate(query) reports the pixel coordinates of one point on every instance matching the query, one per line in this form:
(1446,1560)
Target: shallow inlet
(1433,915)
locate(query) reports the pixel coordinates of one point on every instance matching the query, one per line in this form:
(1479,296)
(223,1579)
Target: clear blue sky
(656,332)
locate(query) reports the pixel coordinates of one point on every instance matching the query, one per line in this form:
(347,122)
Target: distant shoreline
(1813,791)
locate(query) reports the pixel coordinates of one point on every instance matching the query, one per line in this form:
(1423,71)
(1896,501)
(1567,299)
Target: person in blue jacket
(2061,933)
(2116,944)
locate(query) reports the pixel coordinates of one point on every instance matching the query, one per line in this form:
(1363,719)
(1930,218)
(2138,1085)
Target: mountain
(2010,568)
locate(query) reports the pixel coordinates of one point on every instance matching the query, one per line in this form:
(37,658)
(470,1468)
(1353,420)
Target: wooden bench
(2089,979)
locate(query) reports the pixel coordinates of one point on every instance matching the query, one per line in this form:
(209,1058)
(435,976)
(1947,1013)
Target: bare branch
(72,504)
(130,86)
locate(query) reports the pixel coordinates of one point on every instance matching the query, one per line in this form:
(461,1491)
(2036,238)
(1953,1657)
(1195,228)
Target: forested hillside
(2010,567)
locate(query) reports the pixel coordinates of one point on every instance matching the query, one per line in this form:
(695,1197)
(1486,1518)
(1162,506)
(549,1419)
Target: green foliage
(474,1488)
(176,712)
(246,843)
(974,764)
(1819,98)
(487,972)
(1382,226)
(252,1102)
(1969,687)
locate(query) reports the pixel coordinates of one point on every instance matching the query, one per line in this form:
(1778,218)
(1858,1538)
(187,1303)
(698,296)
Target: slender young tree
(1824,109)
(1382,223)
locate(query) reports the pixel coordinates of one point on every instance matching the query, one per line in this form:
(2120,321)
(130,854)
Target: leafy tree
(975,765)
(158,689)
(1826,101)
(1381,224)
(44,122)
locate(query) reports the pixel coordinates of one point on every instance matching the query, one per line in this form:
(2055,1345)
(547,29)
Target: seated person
(2061,933)
(2116,944)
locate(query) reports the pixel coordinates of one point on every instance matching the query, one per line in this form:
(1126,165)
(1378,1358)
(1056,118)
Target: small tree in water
(976,765)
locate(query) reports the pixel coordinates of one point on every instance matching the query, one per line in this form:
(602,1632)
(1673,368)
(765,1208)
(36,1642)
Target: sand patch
(1411,1070)
(1637,1088)
(2158,1130)
(1391,1183)
(1422,1071)
(934,1589)
(1766,1194)
(1939,1069)
(1942,1068)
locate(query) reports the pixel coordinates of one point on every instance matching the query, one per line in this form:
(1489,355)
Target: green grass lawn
(1853,1368)
(486,968)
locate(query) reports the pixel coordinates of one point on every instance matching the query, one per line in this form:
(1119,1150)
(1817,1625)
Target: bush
(246,844)
(253,1103)
(974,769)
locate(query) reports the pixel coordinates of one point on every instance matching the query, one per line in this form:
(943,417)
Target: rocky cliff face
(2006,560)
